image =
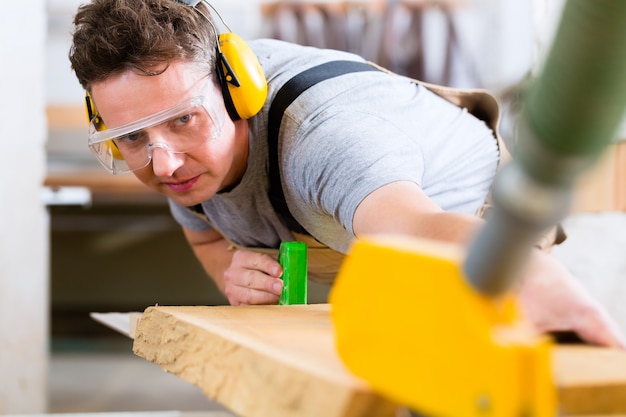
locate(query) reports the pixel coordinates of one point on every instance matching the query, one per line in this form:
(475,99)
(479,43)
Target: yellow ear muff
(92,113)
(94,116)
(242,75)
(115,152)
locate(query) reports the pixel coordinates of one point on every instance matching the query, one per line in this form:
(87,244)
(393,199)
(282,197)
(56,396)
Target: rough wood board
(280,361)
(258,361)
(97,180)
(591,380)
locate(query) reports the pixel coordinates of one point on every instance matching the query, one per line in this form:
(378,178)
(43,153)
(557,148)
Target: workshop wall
(495,43)
(23,222)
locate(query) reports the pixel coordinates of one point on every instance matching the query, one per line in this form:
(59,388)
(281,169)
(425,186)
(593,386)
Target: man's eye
(183,119)
(131,138)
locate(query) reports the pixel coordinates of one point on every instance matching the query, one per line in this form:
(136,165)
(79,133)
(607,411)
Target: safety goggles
(178,129)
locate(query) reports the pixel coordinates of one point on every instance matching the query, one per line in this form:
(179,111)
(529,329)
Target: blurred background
(104,243)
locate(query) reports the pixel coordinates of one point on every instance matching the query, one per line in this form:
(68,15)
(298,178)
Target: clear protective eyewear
(183,128)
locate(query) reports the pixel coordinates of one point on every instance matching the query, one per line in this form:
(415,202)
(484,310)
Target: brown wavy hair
(112,36)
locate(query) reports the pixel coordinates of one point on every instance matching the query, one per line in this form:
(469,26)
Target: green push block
(293,258)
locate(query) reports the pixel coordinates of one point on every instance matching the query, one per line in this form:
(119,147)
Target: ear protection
(94,117)
(239,72)
(241,77)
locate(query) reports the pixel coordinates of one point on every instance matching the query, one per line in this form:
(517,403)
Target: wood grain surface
(258,361)
(281,361)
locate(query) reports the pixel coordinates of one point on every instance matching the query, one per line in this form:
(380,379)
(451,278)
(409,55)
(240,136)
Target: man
(362,153)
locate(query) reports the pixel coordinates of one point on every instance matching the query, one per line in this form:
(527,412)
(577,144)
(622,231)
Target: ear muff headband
(243,82)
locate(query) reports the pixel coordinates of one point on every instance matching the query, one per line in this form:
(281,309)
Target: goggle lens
(179,129)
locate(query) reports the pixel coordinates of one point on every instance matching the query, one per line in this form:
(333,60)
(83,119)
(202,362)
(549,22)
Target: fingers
(553,300)
(591,321)
(260,290)
(252,279)
(598,328)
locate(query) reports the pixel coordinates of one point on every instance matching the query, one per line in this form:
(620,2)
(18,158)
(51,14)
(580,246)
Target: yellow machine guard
(407,321)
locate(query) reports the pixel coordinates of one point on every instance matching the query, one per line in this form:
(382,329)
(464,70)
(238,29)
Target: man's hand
(252,278)
(245,277)
(553,301)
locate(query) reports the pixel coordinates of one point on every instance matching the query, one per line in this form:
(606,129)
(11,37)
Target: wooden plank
(104,186)
(67,117)
(259,361)
(281,361)
(97,180)
(591,380)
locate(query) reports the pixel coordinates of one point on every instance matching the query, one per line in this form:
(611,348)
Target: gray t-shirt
(341,140)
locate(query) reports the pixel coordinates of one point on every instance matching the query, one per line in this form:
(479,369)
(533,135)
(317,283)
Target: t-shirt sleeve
(344,152)
(348,159)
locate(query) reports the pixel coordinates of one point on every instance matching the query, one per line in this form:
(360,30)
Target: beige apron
(324,262)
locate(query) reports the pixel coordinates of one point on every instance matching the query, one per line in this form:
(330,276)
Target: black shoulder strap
(290,91)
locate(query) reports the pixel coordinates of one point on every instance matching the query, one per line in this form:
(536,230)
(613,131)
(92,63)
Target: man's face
(187,164)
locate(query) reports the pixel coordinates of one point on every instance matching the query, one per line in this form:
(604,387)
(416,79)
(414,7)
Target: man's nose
(164,161)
